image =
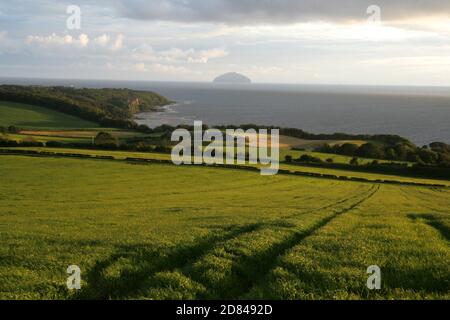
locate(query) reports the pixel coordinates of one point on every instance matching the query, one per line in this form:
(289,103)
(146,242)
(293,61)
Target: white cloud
(152,68)
(205,55)
(172,55)
(322,31)
(103,40)
(54,39)
(2,35)
(169,69)
(139,67)
(144,52)
(83,40)
(176,54)
(118,43)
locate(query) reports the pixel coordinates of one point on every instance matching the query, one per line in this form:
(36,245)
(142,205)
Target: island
(232,77)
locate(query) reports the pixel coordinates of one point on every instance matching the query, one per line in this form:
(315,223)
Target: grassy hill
(110,107)
(161,231)
(34,117)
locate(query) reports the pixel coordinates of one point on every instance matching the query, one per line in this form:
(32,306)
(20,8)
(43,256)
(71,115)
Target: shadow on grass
(251,270)
(108,280)
(433,221)
(142,262)
(248,271)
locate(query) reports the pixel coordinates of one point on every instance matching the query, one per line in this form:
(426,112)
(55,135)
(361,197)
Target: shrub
(105,139)
(354,161)
(13,129)
(308,158)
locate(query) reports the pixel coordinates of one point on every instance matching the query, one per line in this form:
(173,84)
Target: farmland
(30,116)
(144,230)
(167,232)
(122,155)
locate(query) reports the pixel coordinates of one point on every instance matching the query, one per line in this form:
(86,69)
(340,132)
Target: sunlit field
(167,232)
(31,116)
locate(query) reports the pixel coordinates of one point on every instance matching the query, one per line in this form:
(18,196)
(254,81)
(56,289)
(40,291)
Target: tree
(308,158)
(105,139)
(440,147)
(402,150)
(348,149)
(371,150)
(13,129)
(390,154)
(143,147)
(444,159)
(428,156)
(354,161)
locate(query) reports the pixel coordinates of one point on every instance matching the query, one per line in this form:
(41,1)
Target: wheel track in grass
(280,249)
(425,203)
(327,206)
(149,262)
(432,221)
(246,271)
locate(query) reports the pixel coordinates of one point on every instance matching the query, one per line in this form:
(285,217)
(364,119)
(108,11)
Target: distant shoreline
(417,113)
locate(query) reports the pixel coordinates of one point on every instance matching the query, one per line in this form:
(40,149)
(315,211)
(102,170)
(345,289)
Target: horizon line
(219,84)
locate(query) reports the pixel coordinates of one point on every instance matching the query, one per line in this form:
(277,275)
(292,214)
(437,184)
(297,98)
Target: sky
(373,42)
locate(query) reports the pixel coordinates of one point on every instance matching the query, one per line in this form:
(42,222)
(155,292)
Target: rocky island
(232,77)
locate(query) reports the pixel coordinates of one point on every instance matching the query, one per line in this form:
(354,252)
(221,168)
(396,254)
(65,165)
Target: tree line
(436,153)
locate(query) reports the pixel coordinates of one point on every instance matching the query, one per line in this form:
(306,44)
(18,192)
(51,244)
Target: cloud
(118,43)
(142,67)
(139,67)
(172,55)
(103,40)
(274,11)
(2,35)
(83,40)
(169,69)
(205,55)
(54,39)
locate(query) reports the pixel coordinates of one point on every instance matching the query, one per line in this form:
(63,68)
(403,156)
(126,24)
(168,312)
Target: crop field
(295,154)
(121,155)
(28,116)
(168,232)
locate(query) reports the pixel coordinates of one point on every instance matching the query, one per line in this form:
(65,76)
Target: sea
(420,114)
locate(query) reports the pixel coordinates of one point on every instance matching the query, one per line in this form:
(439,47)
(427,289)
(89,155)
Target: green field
(34,117)
(121,155)
(325,156)
(167,232)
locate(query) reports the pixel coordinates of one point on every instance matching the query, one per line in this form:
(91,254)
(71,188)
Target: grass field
(167,232)
(121,155)
(71,136)
(325,156)
(33,117)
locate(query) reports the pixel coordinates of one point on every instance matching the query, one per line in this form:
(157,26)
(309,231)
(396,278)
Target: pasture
(121,155)
(167,232)
(29,116)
